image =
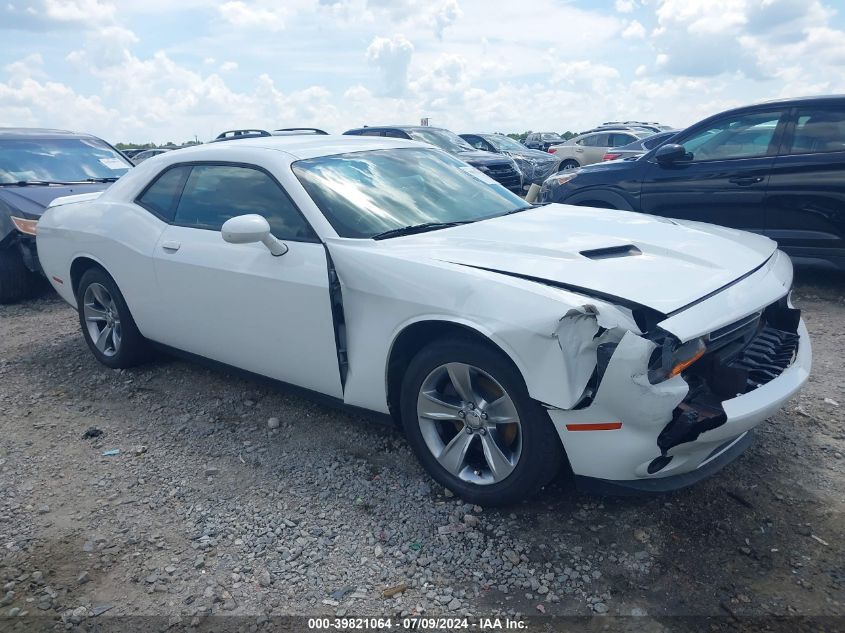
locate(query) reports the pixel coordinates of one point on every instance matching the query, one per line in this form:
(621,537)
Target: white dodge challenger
(507,339)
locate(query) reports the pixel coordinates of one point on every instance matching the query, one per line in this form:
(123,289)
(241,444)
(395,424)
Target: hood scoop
(610,252)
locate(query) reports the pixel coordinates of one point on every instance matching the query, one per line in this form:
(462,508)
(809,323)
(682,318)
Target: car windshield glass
(552,137)
(504,143)
(59,160)
(363,194)
(444,139)
(657,139)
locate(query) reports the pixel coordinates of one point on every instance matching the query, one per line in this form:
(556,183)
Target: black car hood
(31,200)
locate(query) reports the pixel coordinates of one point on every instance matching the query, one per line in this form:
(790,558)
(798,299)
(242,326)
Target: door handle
(579,151)
(171,246)
(744,181)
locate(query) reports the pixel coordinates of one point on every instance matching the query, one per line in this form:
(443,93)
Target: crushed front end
(663,412)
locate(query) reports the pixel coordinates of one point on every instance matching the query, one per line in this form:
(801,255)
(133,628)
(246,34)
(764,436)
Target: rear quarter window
(162,195)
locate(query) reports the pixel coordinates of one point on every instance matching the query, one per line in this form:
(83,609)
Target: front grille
(769,353)
(733,331)
(750,352)
(505,175)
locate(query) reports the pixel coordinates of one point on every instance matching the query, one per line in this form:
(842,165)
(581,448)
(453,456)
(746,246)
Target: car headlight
(669,361)
(23,225)
(561,178)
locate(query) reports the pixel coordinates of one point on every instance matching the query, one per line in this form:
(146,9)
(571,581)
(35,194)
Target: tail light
(610,156)
(552,150)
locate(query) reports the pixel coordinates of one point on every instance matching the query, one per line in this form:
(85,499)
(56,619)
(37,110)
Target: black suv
(500,168)
(36,167)
(543,140)
(776,168)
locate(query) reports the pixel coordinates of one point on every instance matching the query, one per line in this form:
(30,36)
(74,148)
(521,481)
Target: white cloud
(392,56)
(342,63)
(634,31)
(585,74)
(56,14)
(270,16)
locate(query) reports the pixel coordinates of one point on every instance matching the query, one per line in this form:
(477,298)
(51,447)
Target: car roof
(399,127)
(34,133)
(798,100)
(302,146)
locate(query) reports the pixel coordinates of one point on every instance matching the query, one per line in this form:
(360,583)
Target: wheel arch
(79,266)
(608,199)
(568,159)
(415,336)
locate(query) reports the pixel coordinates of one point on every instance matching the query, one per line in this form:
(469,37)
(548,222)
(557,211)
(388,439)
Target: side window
(741,136)
(396,134)
(371,133)
(819,130)
(162,195)
(216,193)
(618,140)
(593,140)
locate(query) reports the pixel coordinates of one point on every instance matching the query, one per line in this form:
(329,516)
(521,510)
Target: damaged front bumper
(678,431)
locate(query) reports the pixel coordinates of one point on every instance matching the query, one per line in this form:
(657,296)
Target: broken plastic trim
(743,357)
(338,319)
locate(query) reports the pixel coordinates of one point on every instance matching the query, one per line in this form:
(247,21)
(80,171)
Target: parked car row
(775,168)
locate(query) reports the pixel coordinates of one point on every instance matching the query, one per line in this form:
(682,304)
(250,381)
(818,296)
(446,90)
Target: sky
(164,70)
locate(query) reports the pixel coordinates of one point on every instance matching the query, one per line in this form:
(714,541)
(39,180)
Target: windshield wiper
(106,179)
(417,228)
(26,183)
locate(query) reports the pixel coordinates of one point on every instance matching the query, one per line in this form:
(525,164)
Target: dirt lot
(208,509)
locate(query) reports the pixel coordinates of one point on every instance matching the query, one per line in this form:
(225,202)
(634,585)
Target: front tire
(15,279)
(470,421)
(107,324)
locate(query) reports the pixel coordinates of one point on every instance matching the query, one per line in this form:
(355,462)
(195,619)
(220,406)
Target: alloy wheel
(102,319)
(469,423)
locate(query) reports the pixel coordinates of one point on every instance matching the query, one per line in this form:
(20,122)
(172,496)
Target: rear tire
(15,278)
(107,324)
(568,164)
(517,429)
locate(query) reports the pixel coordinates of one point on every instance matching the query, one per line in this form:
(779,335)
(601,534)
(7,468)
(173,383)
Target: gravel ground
(232,496)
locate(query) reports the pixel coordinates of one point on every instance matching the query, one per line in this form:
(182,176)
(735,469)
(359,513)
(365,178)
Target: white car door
(237,303)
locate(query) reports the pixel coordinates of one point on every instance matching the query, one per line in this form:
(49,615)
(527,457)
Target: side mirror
(251,228)
(670,153)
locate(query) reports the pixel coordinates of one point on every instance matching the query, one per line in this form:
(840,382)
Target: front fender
(606,196)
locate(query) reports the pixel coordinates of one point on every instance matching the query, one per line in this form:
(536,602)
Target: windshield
(363,194)
(504,143)
(59,160)
(444,139)
(552,137)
